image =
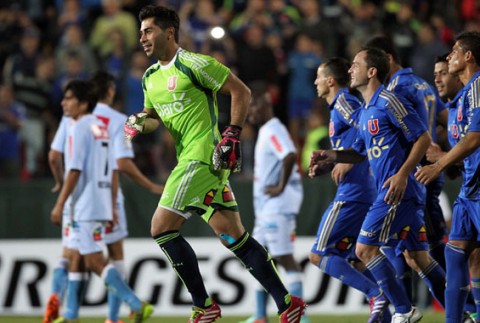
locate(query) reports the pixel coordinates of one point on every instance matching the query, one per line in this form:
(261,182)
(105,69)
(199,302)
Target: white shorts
(119,231)
(276,232)
(66,229)
(88,236)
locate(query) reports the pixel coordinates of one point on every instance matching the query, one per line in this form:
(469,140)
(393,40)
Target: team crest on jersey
(99,131)
(172,83)
(227,194)
(404,232)
(344,244)
(208,199)
(331,128)
(373,126)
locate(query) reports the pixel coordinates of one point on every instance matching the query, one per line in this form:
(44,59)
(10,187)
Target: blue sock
(260,264)
(476,293)
(261,296)
(458,283)
(185,263)
(73,295)
(403,271)
(384,274)
(293,280)
(117,285)
(434,277)
(114,302)
(339,268)
(438,253)
(60,281)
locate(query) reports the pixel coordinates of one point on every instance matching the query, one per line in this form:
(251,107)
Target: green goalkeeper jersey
(183,93)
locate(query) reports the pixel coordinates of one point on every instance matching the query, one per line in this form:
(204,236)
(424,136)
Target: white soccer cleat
(411,317)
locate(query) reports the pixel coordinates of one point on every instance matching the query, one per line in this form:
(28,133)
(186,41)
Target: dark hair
(101,82)
(378,59)
(470,41)
(163,17)
(386,44)
(337,67)
(82,90)
(442,58)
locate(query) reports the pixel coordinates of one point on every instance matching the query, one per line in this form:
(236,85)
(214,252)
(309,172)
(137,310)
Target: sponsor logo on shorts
(227,194)
(344,244)
(109,228)
(208,199)
(367,234)
(66,231)
(404,232)
(97,234)
(422,234)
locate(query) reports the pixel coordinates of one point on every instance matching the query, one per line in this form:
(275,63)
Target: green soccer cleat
(64,320)
(143,314)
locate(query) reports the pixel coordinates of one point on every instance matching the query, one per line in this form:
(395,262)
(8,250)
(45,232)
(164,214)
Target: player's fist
(227,153)
(134,125)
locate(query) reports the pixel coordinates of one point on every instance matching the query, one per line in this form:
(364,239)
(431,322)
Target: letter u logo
(373,126)
(172,83)
(454,131)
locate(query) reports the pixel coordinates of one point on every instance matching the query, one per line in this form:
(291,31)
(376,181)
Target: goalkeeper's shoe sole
(205,315)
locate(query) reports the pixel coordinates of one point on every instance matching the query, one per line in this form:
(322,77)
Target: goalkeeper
(180,92)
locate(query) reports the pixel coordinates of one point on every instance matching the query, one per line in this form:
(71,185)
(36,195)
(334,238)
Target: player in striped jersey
(464,60)
(430,108)
(180,93)
(394,139)
(340,224)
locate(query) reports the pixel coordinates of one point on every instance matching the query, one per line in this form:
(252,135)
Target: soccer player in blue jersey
(90,191)
(430,108)
(464,60)
(394,139)
(341,222)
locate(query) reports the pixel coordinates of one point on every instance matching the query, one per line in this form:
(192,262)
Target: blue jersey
(358,184)
(388,127)
(420,94)
(470,108)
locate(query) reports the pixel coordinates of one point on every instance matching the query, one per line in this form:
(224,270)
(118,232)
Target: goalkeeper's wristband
(232,131)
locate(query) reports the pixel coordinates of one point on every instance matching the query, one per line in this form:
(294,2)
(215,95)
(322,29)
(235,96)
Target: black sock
(261,266)
(184,262)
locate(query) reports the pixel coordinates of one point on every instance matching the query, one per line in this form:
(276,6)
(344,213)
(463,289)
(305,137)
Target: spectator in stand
(113,17)
(73,40)
(70,12)
(302,65)
(11,117)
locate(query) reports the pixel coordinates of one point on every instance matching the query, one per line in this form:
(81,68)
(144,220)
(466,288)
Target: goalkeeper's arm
(143,122)
(240,99)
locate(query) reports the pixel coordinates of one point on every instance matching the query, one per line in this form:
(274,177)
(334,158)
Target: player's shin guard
(458,283)
(434,277)
(60,278)
(261,266)
(184,262)
(119,287)
(403,271)
(339,268)
(384,274)
(114,302)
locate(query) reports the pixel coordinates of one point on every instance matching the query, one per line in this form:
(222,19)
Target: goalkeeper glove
(227,153)
(134,125)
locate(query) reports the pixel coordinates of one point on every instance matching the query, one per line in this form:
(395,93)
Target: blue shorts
(339,228)
(434,220)
(465,220)
(400,224)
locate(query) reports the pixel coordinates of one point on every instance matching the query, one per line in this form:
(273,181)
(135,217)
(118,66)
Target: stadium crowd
(281,42)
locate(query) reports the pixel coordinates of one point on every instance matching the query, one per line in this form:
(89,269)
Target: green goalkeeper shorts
(193,188)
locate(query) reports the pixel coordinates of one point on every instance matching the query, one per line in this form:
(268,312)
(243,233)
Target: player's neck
(369,90)
(466,75)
